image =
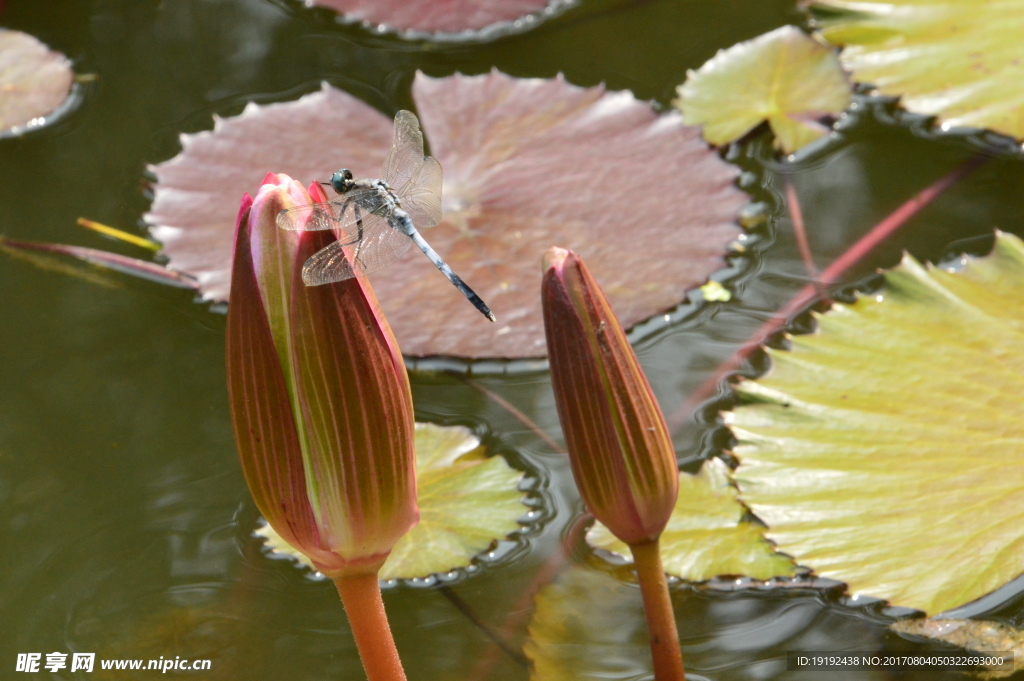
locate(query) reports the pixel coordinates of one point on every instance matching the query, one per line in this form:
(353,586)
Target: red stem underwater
(831,275)
(797,217)
(511,409)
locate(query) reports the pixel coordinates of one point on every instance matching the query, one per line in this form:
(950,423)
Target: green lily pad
(785,77)
(705,537)
(960,60)
(587,624)
(886,450)
(467,501)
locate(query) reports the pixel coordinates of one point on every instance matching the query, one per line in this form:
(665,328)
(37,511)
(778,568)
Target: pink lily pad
(528,163)
(34,82)
(309,137)
(461,17)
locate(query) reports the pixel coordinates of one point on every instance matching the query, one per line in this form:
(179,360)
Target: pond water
(125,519)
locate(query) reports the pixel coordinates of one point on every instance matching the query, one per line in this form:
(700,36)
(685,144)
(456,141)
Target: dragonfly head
(342,180)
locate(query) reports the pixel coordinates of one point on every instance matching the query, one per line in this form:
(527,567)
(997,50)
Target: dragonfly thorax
(373,196)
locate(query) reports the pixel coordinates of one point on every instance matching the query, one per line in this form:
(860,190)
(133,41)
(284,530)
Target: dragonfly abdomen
(440,264)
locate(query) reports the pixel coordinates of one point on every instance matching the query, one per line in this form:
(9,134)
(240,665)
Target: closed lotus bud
(619,446)
(320,398)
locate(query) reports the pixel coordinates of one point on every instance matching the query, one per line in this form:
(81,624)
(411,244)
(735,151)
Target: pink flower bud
(320,398)
(619,446)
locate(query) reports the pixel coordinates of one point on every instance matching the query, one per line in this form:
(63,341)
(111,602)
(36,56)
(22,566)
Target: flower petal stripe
(263,422)
(359,420)
(619,445)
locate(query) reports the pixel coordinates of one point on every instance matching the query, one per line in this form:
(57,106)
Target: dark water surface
(124,517)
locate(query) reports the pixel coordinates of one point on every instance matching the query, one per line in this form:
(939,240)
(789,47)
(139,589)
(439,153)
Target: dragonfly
(377,220)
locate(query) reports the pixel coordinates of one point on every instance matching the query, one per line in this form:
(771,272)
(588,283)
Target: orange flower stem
(661,621)
(365,609)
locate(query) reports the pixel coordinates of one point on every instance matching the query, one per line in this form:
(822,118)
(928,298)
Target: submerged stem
(661,622)
(797,216)
(365,609)
(496,638)
(829,276)
(511,409)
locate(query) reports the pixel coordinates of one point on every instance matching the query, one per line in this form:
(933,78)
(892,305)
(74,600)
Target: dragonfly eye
(342,180)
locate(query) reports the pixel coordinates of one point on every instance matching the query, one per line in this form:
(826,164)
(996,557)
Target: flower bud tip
(316,191)
(555,258)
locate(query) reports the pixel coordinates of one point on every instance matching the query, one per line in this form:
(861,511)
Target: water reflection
(127,525)
(589,624)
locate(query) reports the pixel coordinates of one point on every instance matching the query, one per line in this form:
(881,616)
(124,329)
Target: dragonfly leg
(347,240)
(359,237)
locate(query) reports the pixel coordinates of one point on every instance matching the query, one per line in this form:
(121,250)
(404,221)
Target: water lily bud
(619,446)
(320,398)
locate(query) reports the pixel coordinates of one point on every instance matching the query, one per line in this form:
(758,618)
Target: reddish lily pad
(193,209)
(34,82)
(463,18)
(528,163)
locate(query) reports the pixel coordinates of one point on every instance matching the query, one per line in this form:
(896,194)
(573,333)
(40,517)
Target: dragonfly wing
(327,265)
(421,195)
(336,214)
(379,246)
(313,217)
(406,155)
